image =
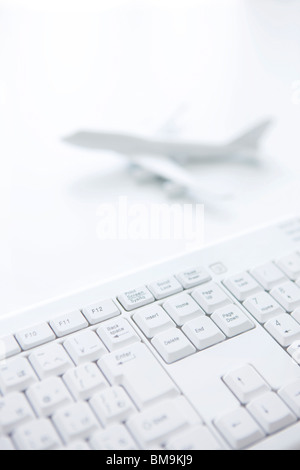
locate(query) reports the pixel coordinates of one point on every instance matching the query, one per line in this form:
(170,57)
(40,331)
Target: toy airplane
(165,159)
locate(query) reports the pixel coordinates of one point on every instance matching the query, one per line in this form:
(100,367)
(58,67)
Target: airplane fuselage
(179,150)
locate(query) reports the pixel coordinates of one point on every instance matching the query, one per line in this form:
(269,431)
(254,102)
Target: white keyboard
(198,352)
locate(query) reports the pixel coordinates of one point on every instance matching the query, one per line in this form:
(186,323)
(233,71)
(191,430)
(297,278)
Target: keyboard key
(290,394)
(296,315)
(6,444)
(210,297)
(165,288)
(153,320)
(157,425)
(100,311)
(16,375)
(203,333)
(35,336)
(290,265)
(8,347)
(50,360)
(113,438)
(75,422)
(182,309)
(68,323)
(288,295)
(14,411)
(284,329)
(268,275)
(37,435)
(271,412)
(288,439)
(196,438)
(136,298)
(48,396)
(112,406)
(193,277)
(232,321)
(239,429)
(242,286)
(76,446)
(246,383)
(294,351)
(137,370)
(117,334)
(263,307)
(84,381)
(85,347)
(173,345)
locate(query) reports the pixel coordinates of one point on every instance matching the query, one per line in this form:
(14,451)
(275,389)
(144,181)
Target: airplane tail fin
(252,138)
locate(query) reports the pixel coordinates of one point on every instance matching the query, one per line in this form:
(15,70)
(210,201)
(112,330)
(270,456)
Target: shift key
(137,370)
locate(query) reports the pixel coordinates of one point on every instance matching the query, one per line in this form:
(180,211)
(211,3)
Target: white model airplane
(165,159)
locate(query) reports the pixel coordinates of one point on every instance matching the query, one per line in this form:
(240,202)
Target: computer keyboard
(200,352)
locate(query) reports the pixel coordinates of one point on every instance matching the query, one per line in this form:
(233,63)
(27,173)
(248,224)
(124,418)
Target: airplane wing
(152,156)
(175,174)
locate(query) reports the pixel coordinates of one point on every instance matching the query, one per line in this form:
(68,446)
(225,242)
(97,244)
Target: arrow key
(271,412)
(239,429)
(246,383)
(117,333)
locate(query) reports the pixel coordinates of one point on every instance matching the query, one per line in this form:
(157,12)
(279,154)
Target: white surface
(125,66)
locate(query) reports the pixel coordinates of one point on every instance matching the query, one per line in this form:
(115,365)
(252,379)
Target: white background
(127,66)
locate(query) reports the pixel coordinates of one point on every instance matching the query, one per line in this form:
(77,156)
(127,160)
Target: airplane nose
(82,139)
